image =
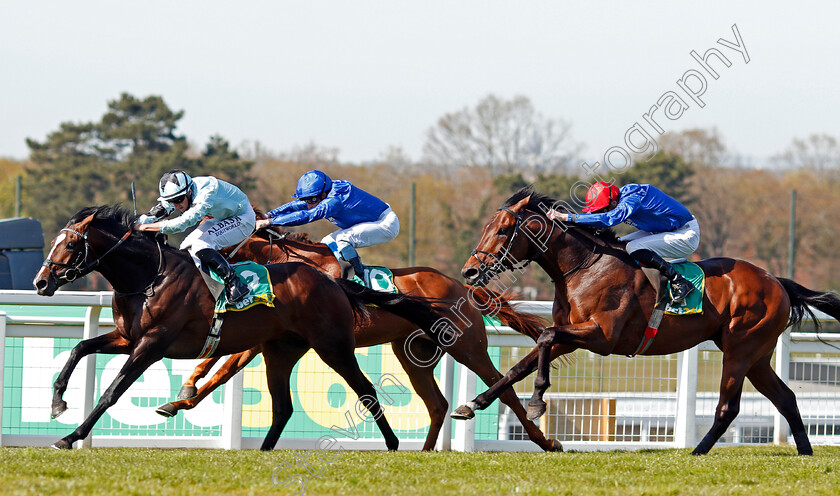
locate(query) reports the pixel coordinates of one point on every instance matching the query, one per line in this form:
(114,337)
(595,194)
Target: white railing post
(780,426)
(2,366)
(232,424)
(447,377)
(89,368)
(686,421)
(465,429)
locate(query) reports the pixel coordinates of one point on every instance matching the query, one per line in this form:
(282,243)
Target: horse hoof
(187,392)
(555,446)
(167,410)
(393,446)
(463,412)
(536,411)
(63,444)
(58,408)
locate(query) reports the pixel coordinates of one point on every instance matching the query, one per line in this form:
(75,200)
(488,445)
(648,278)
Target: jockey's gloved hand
(161,210)
(156,213)
(145,219)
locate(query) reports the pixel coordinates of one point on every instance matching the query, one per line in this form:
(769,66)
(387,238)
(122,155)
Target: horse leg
(343,361)
(572,338)
(536,406)
(111,342)
(141,357)
(424,384)
(188,389)
(280,358)
(233,365)
(731,385)
(770,385)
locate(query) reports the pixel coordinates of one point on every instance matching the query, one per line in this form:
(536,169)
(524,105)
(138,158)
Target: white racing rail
(464,438)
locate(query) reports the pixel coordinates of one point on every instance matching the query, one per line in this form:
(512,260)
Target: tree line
(473,160)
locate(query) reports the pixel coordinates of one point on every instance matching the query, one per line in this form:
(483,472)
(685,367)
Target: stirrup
(236,290)
(675,300)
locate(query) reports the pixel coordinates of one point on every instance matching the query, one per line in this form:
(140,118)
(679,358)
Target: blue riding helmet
(312,183)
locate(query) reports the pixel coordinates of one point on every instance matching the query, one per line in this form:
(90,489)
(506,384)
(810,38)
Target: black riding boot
(234,287)
(351,268)
(680,286)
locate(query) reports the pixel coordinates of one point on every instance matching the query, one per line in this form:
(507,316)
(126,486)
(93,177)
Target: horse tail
(495,304)
(418,311)
(800,299)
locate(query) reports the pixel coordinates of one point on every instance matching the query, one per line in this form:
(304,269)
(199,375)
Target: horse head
(89,236)
(516,235)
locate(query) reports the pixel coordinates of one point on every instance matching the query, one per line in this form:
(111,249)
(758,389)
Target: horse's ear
(87,220)
(521,204)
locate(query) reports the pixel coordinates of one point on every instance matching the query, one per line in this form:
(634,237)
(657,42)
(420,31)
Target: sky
(363,76)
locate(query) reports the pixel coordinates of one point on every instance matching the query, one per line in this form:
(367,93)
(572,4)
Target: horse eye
(502,232)
(71,245)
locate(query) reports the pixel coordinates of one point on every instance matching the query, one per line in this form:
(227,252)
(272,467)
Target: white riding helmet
(174,184)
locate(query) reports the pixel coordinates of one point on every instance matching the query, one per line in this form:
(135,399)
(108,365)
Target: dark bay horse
(470,348)
(163,308)
(603,301)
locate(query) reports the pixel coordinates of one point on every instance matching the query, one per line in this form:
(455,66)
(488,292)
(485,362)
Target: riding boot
(347,271)
(348,256)
(234,287)
(680,286)
(356,262)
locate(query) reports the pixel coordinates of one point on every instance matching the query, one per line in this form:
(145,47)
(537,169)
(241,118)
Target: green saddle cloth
(694,302)
(377,278)
(258,281)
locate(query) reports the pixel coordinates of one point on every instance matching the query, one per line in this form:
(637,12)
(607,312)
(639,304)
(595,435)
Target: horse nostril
(40,284)
(469,273)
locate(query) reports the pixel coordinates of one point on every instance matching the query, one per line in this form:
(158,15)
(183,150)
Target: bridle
(504,252)
(498,265)
(80,267)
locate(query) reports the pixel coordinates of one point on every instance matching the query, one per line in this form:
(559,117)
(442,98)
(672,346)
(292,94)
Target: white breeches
(382,230)
(675,244)
(218,234)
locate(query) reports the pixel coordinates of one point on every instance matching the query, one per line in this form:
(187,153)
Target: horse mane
(115,219)
(538,199)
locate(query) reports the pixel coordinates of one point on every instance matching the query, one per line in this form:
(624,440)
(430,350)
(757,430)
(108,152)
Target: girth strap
(213,338)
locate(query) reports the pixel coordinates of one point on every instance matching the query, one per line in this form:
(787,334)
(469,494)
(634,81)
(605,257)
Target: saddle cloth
(377,278)
(694,302)
(257,278)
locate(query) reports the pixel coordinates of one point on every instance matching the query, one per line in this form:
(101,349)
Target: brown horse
(603,301)
(470,348)
(163,308)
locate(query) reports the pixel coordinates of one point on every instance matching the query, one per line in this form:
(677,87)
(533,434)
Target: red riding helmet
(600,195)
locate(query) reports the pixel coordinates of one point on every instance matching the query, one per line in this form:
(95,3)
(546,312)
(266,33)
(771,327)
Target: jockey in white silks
(228,220)
(666,227)
(364,219)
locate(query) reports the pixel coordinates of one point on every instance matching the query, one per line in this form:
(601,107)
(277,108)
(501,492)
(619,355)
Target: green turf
(739,470)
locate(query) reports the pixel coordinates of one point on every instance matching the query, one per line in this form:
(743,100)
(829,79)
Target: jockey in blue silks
(364,219)
(666,227)
(228,220)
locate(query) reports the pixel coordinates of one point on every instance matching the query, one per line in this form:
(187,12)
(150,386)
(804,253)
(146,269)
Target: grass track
(736,470)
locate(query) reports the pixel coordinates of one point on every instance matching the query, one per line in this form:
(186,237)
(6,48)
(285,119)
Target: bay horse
(163,308)
(602,303)
(470,348)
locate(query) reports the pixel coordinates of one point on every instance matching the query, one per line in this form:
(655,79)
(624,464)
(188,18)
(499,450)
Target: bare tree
(715,201)
(501,136)
(818,152)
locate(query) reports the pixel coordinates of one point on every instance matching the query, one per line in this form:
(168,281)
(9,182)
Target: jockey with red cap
(666,227)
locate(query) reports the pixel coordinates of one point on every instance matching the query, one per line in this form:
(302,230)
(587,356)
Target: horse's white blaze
(58,240)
